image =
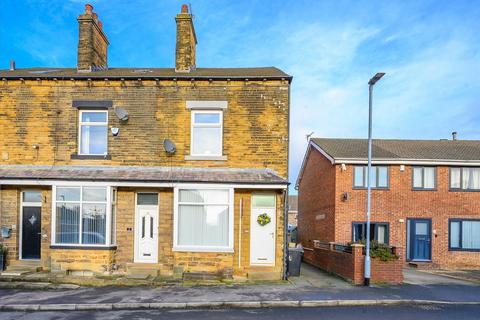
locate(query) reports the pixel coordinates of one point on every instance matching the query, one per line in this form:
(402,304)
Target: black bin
(294,261)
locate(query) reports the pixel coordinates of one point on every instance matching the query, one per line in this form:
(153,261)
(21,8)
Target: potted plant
(3,256)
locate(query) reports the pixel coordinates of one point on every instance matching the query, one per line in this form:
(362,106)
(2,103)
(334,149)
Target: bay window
(82,216)
(203,219)
(93,132)
(464,234)
(465,178)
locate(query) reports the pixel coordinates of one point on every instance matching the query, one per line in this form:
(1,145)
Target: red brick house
(425,197)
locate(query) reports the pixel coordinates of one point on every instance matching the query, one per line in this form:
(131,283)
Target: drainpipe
(285,230)
(240,234)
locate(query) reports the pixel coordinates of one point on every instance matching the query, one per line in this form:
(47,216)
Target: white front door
(146,234)
(262,236)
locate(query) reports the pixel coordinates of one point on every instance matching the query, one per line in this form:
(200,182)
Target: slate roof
(450,150)
(144,73)
(140,174)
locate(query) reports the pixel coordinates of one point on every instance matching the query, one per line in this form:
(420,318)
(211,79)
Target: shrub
(380,251)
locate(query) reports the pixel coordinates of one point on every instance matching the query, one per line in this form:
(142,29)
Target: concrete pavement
(314,288)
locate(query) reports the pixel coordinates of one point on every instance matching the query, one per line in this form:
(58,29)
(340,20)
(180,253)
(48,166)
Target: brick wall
(400,202)
(351,266)
(316,201)
(41,113)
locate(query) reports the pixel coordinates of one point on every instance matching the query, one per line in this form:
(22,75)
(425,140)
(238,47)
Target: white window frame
(108,222)
(206,125)
(81,123)
(182,248)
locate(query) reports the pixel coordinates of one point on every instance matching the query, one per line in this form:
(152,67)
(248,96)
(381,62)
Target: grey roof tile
(142,174)
(48,73)
(460,150)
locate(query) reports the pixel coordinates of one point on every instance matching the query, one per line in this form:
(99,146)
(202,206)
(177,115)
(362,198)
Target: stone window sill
(82,247)
(214,158)
(75,156)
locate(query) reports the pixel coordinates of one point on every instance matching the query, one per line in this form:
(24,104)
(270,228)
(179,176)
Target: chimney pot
(100,24)
(12,65)
(184,8)
(88,8)
(95,16)
(454,135)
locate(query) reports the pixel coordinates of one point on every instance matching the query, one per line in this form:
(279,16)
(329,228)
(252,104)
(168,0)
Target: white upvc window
(93,132)
(206,133)
(203,219)
(82,216)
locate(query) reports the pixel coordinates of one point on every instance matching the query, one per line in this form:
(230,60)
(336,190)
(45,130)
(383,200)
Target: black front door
(31,232)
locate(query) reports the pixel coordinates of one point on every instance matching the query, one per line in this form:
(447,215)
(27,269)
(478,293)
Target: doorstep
(21,267)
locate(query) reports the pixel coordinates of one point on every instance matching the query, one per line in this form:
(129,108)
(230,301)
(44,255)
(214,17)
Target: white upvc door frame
(136,253)
(20,225)
(274,222)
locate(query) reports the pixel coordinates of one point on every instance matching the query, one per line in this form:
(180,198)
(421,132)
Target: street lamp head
(375,78)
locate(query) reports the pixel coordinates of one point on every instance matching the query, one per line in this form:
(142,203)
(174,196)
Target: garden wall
(348,262)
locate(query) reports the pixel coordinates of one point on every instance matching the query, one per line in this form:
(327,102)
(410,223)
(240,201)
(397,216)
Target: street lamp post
(371,83)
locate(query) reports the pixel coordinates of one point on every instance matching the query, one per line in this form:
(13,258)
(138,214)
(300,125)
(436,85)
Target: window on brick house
(378,231)
(378,177)
(424,178)
(207,133)
(464,234)
(465,179)
(93,132)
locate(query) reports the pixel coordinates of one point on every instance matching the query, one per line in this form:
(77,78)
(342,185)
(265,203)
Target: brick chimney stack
(92,42)
(186,42)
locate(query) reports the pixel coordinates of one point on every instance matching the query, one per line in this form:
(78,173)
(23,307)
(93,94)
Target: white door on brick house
(146,228)
(262,230)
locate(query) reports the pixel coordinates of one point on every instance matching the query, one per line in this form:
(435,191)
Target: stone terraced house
(160,171)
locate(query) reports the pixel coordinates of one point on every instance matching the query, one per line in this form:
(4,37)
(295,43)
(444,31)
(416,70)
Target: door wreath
(263,219)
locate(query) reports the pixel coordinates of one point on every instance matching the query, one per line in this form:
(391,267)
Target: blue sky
(430,51)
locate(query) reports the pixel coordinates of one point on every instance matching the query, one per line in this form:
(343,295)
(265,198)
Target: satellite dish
(169,146)
(121,114)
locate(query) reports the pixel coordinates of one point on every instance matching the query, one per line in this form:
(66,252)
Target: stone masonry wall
(40,113)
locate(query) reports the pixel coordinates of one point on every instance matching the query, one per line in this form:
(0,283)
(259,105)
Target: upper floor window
(464,234)
(207,133)
(93,129)
(424,178)
(465,178)
(378,177)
